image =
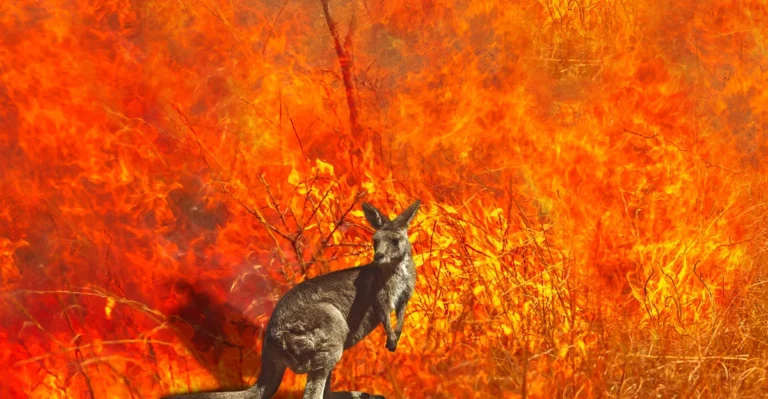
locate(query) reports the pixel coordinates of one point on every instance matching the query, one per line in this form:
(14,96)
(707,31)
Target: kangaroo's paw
(392,344)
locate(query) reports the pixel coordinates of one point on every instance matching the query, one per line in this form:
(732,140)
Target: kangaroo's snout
(378,258)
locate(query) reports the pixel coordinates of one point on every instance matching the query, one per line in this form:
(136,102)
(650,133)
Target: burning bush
(591,175)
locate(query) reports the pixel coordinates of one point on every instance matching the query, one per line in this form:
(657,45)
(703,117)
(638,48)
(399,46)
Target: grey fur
(315,321)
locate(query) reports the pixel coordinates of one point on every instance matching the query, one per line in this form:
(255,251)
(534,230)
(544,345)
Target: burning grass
(592,177)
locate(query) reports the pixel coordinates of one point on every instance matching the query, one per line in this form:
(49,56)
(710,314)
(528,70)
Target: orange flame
(592,176)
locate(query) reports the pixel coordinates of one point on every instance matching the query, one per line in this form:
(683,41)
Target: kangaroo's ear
(405,218)
(374,216)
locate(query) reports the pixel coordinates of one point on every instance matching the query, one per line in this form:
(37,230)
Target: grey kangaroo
(315,321)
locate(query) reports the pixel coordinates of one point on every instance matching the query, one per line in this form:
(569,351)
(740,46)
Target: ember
(591,175)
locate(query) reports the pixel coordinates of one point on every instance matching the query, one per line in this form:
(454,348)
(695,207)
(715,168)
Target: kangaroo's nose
(378,257)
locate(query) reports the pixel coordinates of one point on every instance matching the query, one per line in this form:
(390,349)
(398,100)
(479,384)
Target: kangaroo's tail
(266,386)
(246,394)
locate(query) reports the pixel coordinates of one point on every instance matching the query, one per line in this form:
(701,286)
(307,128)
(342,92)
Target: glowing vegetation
(592,177)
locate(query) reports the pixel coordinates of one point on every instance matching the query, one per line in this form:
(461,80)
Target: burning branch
(344,53)
(271,230)
(336,225)
(295,219)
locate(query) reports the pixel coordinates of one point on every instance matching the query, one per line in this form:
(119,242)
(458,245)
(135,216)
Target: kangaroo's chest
(399,286)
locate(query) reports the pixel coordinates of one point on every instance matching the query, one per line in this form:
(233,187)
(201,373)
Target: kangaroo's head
(390,241)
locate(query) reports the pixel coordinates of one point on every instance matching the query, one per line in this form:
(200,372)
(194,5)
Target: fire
(108,308)
(592,177)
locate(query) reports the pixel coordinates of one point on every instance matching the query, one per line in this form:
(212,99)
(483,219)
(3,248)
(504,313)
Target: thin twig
(272,28)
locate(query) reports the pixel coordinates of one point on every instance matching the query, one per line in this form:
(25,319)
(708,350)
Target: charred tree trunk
(346,60)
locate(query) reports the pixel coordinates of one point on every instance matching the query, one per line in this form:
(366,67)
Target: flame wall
(592,176)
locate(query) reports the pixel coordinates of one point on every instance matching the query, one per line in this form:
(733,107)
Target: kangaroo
(318,319)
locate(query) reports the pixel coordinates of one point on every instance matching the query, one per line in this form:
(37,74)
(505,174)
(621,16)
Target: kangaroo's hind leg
(321,346)
(316,384)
